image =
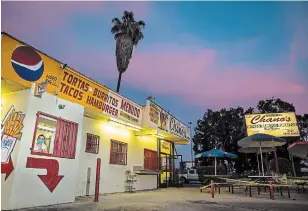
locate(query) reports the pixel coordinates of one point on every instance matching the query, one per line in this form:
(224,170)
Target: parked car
(189,175)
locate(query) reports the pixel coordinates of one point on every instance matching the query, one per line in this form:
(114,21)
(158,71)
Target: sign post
(98,174)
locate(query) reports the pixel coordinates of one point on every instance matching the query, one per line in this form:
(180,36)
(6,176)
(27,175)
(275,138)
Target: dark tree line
(225,127)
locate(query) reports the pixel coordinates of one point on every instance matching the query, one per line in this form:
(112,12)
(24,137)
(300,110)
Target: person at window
(40,145)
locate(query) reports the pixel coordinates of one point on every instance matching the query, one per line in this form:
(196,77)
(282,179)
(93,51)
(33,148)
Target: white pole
(215,166)
(258,164)
(293,168)
(261,160)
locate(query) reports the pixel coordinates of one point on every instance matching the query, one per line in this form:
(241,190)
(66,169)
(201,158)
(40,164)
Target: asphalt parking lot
(185,199)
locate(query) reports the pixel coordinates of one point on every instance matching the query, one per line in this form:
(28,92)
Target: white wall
(112,176)
(20,101)
(28,190)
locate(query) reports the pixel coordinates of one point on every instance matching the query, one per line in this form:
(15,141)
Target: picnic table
(264,179)
(258,182)
(300,182)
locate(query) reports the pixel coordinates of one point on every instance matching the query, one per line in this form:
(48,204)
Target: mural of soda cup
(7,146)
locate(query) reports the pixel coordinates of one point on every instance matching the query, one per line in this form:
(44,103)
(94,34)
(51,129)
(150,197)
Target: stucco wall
(28,190)
(112,176)
(20,101)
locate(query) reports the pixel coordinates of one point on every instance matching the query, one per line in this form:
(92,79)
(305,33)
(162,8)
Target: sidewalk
(182,199)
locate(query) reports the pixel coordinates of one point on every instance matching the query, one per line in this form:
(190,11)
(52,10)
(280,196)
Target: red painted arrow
(7,168)
(52,179)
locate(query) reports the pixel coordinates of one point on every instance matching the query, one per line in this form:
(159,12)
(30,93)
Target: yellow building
(60,129)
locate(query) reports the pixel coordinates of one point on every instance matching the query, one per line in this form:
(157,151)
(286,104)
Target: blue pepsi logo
(27,63)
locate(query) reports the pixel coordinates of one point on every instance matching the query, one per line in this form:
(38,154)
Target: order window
(54,136)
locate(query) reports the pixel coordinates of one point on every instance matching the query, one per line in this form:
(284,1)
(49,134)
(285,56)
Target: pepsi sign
(27,63)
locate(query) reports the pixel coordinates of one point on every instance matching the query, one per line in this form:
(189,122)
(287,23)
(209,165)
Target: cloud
(200,78)
(297,22)
(26,19)
(188,68)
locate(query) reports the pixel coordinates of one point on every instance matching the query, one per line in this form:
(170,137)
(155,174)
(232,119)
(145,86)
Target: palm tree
(127,33)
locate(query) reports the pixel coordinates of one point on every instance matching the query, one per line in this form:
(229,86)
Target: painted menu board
(157,117)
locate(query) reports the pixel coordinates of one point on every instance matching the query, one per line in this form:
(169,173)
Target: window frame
(191,170)
(97,140)
(153,158)
(111,152)
(49,154)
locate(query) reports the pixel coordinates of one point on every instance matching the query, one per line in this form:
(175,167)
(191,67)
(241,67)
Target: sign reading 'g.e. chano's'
(276,124)
(179,129)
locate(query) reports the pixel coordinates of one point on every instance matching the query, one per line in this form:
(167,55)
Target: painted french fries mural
(11,128)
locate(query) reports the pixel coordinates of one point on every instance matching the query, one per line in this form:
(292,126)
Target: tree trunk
(119,82)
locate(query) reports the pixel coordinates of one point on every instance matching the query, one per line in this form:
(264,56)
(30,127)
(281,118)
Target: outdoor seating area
(263,182)
(267,184)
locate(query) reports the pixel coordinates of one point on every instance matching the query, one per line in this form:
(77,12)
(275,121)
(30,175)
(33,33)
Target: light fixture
(63,66)
(150,97)
(61,106)
(123,124)
(158,136)
(46,128)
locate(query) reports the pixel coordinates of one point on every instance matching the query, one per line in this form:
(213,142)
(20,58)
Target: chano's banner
(178,128)
(275,124)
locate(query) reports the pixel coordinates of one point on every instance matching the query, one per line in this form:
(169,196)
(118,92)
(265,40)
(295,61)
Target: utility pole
(191,145)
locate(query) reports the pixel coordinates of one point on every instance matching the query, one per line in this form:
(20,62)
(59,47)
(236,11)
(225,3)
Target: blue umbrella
(216,153)
(261,140)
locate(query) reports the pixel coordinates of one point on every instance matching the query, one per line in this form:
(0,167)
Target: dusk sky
(195,55)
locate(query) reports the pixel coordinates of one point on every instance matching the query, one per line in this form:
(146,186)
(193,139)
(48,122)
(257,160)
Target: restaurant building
(60,129)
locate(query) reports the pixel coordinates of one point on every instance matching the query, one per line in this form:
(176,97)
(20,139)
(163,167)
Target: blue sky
(195,55)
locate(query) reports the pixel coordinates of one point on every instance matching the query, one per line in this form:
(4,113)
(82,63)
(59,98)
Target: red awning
(299,149)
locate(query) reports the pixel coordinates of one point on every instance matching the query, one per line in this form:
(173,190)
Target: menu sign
(40,88)
(87,93)
(275,124)
(130,111)
(158,116)
(165,147)
(179,129)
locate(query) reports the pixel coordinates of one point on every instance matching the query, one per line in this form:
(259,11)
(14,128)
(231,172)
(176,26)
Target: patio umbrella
(261,140)
(299,149)
(216,153)
(256,150)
